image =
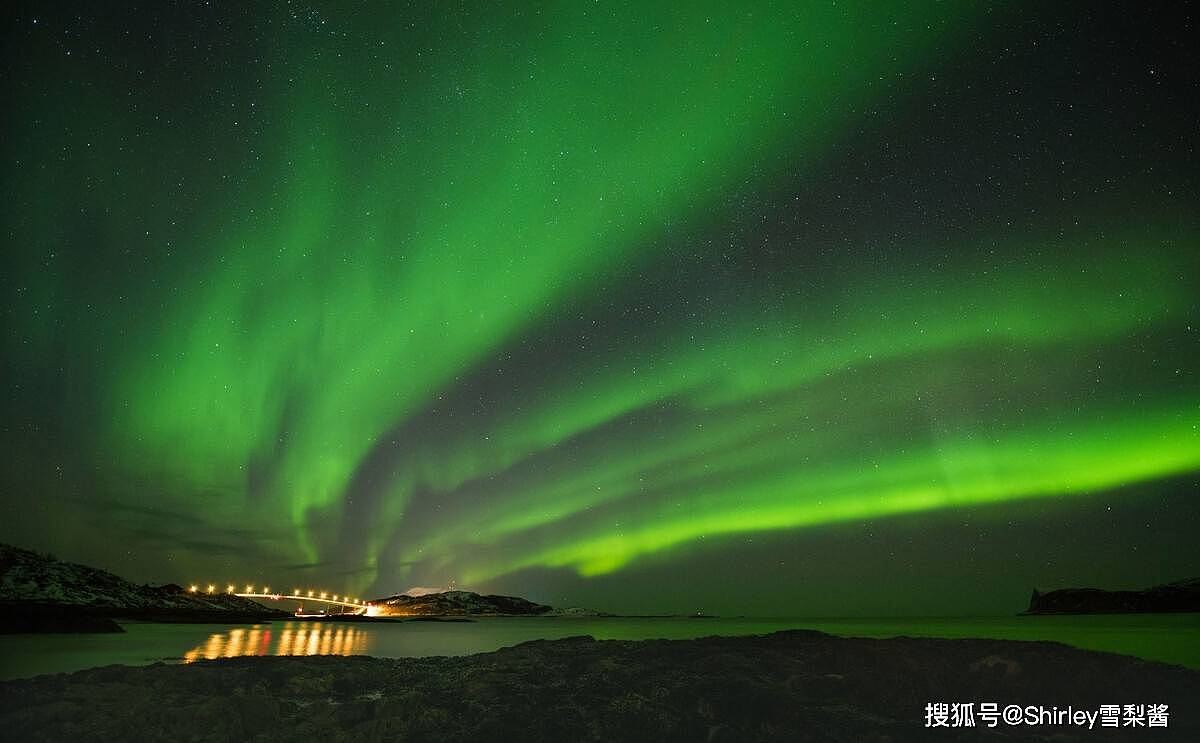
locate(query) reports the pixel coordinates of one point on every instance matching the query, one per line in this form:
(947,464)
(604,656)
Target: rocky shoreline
(37,618)
(28,617)
(787,686)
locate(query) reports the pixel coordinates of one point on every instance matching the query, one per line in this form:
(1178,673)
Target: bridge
(311,595)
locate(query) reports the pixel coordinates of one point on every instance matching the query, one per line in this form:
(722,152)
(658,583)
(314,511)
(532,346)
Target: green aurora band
(426,217)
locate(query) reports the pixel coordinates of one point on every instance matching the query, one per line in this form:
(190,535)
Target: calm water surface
(1172,638)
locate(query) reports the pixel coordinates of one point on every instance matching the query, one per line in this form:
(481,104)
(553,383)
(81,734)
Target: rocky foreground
(789,686)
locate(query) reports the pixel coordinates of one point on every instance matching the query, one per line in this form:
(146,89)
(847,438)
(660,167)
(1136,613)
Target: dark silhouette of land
(1181,596)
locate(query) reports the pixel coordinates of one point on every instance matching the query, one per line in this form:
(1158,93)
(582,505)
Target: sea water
(1170,638)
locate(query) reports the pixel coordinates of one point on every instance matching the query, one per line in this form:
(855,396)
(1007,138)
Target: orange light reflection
(294,638)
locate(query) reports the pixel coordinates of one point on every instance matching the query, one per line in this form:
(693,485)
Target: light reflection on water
(1171,638)
(293,638)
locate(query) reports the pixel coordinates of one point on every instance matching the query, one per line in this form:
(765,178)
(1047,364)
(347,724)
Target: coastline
(18,617)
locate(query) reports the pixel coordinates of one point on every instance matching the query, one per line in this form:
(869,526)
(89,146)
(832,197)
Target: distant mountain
(1181,596)
(40,592)
(458,604)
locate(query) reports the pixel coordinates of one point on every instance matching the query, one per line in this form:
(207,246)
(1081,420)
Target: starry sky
(802,308)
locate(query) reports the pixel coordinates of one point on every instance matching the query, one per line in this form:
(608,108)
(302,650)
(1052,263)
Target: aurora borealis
(579,300)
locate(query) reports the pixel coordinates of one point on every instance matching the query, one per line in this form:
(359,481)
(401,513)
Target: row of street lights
(266,591)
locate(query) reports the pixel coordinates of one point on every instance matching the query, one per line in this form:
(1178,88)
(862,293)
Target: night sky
(800,308)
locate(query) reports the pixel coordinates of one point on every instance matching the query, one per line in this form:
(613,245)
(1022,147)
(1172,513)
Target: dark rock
(1181,596)
(18,617)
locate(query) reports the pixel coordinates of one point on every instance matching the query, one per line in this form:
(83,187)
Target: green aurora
(409,297)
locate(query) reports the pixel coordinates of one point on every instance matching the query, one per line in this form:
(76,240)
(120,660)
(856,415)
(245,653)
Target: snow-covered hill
(30,577)
(458,603)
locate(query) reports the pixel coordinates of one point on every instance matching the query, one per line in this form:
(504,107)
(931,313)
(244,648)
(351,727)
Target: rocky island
(1180,596)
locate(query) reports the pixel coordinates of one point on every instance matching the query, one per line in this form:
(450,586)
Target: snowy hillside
(458,603)
(27,576)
